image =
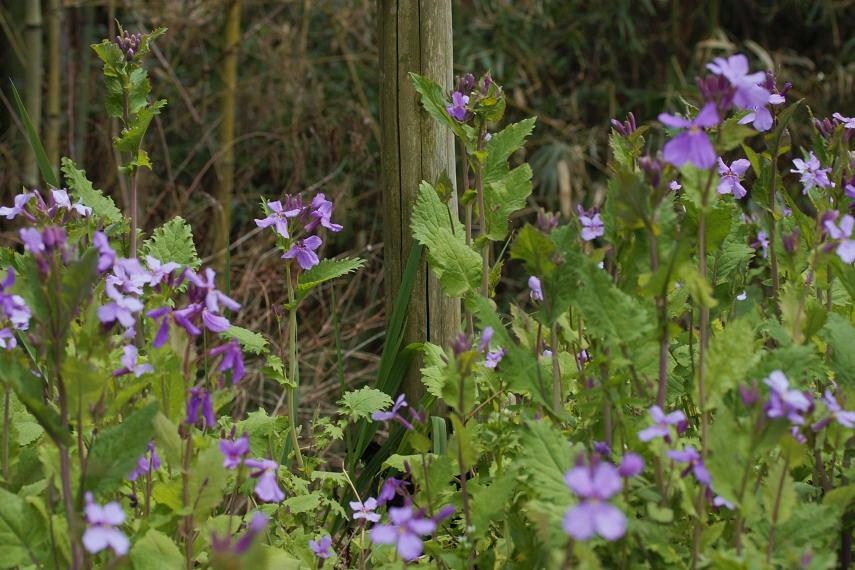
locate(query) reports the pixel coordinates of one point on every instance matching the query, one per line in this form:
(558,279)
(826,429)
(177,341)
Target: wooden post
(415,36)
(54,16)
(33,88)
(226,163)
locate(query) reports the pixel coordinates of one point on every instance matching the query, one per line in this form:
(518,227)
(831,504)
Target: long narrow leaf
(33,137)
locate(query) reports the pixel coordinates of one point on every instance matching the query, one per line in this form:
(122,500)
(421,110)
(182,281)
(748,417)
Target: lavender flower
(395,413)
(19,208)
(365,510)
(731,176)
(14,312)
(232,359)
(322,212)
(692,145)
(762,242)
(695,465)
(842,233)
(234,451)
(391,487)
(149,461)
(278,218)
(267,488)
(749,93)
(457,109)
(662,424)
(720,501)
(256,526)
(760,116)
(199,407)
(486,337)
(106,254)
(847,122)
(535,289)
(812,173)
(592,224)
(322,547)
(783,402)
(631,465)
(405,531)
(304,252)
(626,127)
(160,272)
(594,485)
(33,241)
(61,201)
(837,413)
(130,363)
(494,357)
(101,531)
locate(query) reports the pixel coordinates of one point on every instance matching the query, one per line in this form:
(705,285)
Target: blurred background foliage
(307,116)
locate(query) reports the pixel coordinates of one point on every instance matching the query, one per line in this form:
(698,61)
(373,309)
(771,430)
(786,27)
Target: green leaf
(21,532)
(326,270)
(138,90)
(840,336)
(502,145)
(167,438)
(359,404)
(731,355)
(130,138)
(504,197)
(156,551)
(535,249)
(779,494)
(30,392)
(303,503)
(457,265)
(434,102)
(42,160)
(78,281)
(250,341)
(116,450)
(207,481)
(173,241)
(546,457)
(102,206)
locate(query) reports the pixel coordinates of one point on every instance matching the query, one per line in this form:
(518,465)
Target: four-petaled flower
(278,218)
(749,92)
(535,289)
(322,547)
(322,212)
(692,144)
(365,510)
(731,176)
(234,451)
(837,413)
(267,488)
(812,173)
(695,463)
(304,252)
(101,531)
(457,109)
(783,402)
(842,233)
(592,224)
(494,357)
(130,364)
(662,424)
(405,531)
(594,485)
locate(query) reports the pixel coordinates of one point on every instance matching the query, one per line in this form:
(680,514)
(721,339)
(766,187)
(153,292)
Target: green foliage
(22,532)
(155,551)
(326,270)
(249,340)
(102,206)
(42,161)
(115,450)
(360,404)
(173,242)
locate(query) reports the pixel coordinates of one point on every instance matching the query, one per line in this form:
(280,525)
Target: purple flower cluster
(148,462)
(14,313)
(405,530)
(394,414)
(592,224)
(102,524)
(812,173)
(730,177)
(841,236)
(312,216)
(32,206)
(266,487)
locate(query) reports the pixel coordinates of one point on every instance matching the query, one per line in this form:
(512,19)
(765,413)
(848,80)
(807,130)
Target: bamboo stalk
(54,16)
(33,94)
(225,188)
(81,110)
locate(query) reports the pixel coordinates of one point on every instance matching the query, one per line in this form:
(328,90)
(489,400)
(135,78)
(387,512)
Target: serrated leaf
(731,355)
(156,551)
(546,458)
(434,102)
(504,197)
(303,503)
(535,249)
(840,336)
(502,145)
(116,450)
(457,265)
(360,404)
(173,241)
(21,532)
(130,138)
(250,341)
(102,206)
(327,270)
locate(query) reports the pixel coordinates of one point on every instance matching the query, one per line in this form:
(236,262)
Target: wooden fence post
(415,36)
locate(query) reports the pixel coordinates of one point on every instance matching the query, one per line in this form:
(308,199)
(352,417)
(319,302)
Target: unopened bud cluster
(129,44)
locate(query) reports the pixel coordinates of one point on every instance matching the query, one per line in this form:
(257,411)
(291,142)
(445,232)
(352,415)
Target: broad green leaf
(546,457)
(731,355)
(457,265)
(250,341)
(45,167)
(502,145)
(434,102)
(130,138)
(168,439)
(156,551)
(326,270)
(21,532)
(115,450)
(173,241)
(535,249)
(303,503)
(102,206)
(360,404)
(840,336)
(29,389)
(779,494)
(489,502)
(207,482)
(504,197)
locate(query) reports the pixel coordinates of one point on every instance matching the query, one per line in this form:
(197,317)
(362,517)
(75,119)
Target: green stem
(557,396)
(293,368)
(770,547)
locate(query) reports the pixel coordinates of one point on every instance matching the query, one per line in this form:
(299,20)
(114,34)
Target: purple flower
(148,461)
(692,144)
(695,465)
(120,309)
(720,501)
(160,272)
(486,337)
(592,224)
(405,531)
(395,413)
(33,241)
(391,487)
(322,547)
(8,341)
(234,451)
(232,359)
(760,116)
(322,212)
(304,252)
(845,247)
(13,307)
(457,109)
(749,93)
(61,201)
(626,127)
(19,208)
(130,365)
(812,173)
(729,183)
(204,289)
(106,254)
(365,510)
(783,402)
(494,357)
(674,186)
(267,488)
(101,531)
(661,424)
(278,218)
(631,465)
(199,406)
(535,289)
(847,122)
(256,526)
(836,411)
(762,242)
(594,485)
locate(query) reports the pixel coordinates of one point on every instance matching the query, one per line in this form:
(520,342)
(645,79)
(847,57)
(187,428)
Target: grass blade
(33,137)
